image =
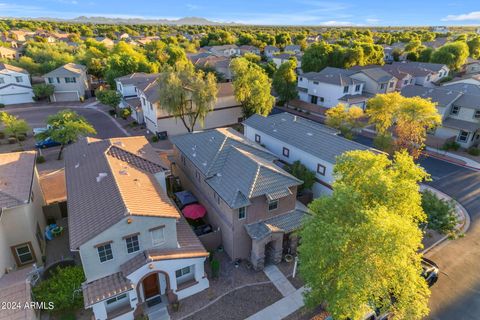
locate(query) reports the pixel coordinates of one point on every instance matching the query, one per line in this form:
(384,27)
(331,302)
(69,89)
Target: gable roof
(220,155)
(4,66)
(110,179)
(377,74)
(418,69)
(309,136)
(16,178)
(67,68)
(137,78)
(442,96)
(330,75)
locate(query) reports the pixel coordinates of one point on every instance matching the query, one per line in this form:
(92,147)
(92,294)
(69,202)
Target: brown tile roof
(14,287)
(109,179)
(53,186)
(105,288)
(189,247)
(16,177)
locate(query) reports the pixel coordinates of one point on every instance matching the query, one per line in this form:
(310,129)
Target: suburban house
(220,64)
(70,82)
(107,42)
(403,78)
(472,66)
(330,87)
(9,53)
(15,86)
(137,251)
(228,50)
(247,196)
(426,74)
(466,79)
(249,49)
(460,111)
(293,48)
(439,29)
(376,80)
(280,58)
(227,110)
(269,51)
(293,138)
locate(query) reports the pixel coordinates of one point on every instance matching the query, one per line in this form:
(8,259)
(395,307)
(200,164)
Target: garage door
(16,98)
(66,96)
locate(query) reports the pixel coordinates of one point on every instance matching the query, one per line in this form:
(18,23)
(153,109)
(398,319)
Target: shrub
(215,265)
(474,151)
(125,113)
(440,213)
(43,90)
(2,105)
(299,171)
(63,288)
(12,140)
(154,139)
(22,137)
(451,145)
(41,159)
(2,135)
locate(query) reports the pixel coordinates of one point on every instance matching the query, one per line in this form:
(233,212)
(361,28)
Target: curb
(439,156)
(461,227)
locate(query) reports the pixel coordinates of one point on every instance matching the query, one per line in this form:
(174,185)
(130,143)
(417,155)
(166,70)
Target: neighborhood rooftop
(304,134)
(16,176)
(332,75)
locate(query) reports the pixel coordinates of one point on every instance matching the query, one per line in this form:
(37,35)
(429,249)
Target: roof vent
(294,118)
(77,165)
(219,174)
(309,134)
(123,172)
(118,143)
(194,154)
(204,164)
(100,176)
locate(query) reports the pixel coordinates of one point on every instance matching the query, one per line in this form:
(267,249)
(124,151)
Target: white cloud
(337,23)
(474,15)
(372,20)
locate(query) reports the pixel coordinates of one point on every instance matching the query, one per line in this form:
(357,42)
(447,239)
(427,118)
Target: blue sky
(278,12)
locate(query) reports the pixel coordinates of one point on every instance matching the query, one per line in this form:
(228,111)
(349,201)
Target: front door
(151,287)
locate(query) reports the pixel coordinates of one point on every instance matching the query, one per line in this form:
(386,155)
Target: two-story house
(403,78)
(460,111)
(226,111)
(246,194)
(137,251)
(227,50)
(316,146)
(426,74)
(330,87)
(70,82)
(269,51)
(376,80)
(15,86)
(280,58)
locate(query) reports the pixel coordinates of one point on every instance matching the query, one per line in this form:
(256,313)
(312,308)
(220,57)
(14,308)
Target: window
(258,139)
(345,89)
(463,136)
(58,80)
(382,86)
(143,101)
(132,243)
(322,99)
(19,79)
(117,298)
(477,114)
(301,79)
(357,88)
(242,213)
(39,236)
(455,110)
(182,272)
(315,82)
(2,81)
(405,82)
(105,252)
(314,99)
(158,235)
(411,81)
(286,152)
(150,105)
(428,78)
(23,254)
(272,205)
(70,80)
(50,80)
(183,160)
(321,169)
(390,85)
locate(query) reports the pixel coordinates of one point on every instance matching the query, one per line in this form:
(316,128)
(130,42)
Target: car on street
(46,143)
(40,130)
(430,271)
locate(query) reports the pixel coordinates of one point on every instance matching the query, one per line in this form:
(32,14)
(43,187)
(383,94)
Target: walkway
(282,308)
(279,280)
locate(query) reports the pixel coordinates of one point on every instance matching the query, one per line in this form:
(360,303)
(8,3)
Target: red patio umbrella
(194,211)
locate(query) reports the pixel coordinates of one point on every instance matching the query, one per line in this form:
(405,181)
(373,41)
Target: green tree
(360,246)
(109,98)
(252,87)
(66,126)
(299,171)
(188,94)
(43,90)
(440,213)
(453,54)
(316,57)
(285,81)
(474,47)
(14,126)
(347,120)
(63,289)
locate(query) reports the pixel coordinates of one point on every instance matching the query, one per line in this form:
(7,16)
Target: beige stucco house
(70,82)
(246,194)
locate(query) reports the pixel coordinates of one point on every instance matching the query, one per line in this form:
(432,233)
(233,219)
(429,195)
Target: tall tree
(252,87)
(360,246)
(316,57)
(188,94)
(285,81)
(66,126)
(347,120)
(453,54)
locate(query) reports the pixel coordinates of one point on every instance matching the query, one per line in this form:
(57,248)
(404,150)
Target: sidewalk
(282,308)
(462,215)
(279,280)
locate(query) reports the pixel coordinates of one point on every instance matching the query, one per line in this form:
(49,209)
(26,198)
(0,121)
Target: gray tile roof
(461,124)
(221,154)
(336,76)
(418,68)
(443,95)
(137,78)
(464,87)
(377,74)
(286,223)
(67,69)
(309,136)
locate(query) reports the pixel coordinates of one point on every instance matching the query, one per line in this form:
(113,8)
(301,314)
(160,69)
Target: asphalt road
(456,295)
(36,117)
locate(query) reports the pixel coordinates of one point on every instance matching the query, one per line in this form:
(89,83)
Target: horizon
(268,13)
